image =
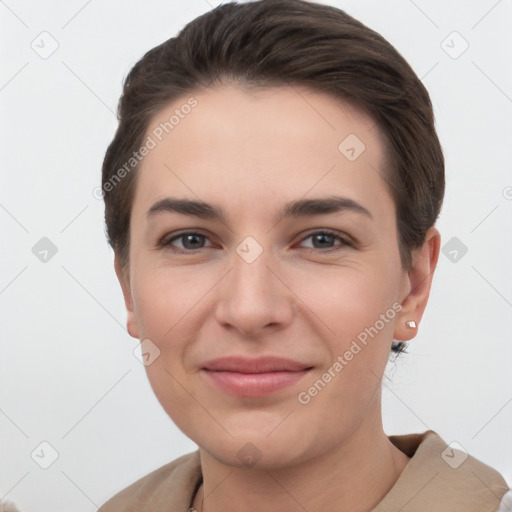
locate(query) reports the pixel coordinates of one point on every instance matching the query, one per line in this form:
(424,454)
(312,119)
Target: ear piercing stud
(411,324)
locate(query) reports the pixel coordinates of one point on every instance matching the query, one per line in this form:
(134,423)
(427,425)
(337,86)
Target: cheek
(166,306)
(170,308)
(348,300)
(353,308)
(357,322)
(165,300)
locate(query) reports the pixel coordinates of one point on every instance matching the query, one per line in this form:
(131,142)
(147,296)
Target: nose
(254,297)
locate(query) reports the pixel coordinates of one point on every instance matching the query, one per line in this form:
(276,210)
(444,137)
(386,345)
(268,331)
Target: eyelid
(347,241)
(166,240)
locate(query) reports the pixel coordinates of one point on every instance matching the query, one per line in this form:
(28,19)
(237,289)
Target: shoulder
(443,476)
(169,487)
(456,464)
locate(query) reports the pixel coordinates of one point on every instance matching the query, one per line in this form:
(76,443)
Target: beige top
(436,479)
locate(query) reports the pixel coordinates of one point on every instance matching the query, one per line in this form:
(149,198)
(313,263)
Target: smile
(253,384)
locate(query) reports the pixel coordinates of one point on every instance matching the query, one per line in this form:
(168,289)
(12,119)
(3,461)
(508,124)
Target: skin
(250,153)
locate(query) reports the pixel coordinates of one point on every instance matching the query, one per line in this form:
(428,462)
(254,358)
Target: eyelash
(166,244)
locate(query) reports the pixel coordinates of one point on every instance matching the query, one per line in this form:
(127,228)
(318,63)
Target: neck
(354,475)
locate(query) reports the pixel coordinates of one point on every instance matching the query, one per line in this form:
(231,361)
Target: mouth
(239,376)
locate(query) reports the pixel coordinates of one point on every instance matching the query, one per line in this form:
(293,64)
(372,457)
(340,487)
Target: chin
(256,449)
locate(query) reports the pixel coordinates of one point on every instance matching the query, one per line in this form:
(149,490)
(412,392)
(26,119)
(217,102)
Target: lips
(239,376)
(261,365)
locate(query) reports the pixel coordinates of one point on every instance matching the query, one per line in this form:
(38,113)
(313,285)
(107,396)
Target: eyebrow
(294,209)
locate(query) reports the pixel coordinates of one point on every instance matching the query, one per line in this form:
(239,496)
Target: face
(249,277)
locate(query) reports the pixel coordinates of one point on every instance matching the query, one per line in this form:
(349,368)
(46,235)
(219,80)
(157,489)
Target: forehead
(277,142)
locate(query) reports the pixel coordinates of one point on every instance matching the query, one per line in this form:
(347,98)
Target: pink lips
(240,376)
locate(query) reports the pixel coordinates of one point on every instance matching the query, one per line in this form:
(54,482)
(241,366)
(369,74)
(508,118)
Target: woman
(271,195)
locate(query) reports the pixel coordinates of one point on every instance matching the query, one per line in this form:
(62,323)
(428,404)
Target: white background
(68,373)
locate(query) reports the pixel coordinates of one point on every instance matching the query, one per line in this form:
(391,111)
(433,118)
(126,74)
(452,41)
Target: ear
(124,281)
(416,285)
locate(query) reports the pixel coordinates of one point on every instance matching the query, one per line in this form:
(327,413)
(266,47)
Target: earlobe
(124,281)
(419,281)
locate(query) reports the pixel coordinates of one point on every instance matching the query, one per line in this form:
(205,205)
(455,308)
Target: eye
(323,239)
(191,242)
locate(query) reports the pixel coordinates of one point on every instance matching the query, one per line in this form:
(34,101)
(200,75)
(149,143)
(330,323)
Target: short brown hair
(269,43)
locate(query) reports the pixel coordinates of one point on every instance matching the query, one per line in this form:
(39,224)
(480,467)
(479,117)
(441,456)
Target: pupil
(322,237)
(193,240)
(190,238)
